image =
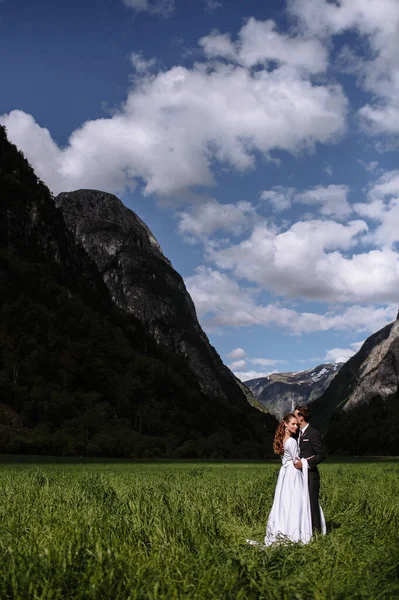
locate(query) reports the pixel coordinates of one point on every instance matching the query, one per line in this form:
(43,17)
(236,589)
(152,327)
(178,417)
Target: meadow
(177,530)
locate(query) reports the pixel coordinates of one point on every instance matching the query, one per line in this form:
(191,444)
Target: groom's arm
(318,449)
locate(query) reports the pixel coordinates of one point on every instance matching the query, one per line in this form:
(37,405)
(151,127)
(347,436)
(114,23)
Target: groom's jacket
(312,445)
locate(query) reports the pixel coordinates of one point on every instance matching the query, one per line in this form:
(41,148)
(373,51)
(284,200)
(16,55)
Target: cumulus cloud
(386,187)
(141,64)
(341,355)
(161,8)
(280,197)
(314,260)
(382,207)
(176,126)
(378,22)
(248,375)
(212,5)
(331,200)
(237,353)
(240,368)
(207,218)
(259,43)
(266,362)
(238,364)
(220,301)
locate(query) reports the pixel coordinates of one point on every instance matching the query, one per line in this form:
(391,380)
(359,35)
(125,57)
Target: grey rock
(378,374)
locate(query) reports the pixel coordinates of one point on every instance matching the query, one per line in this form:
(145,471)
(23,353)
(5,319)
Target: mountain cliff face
(101,353)
(360,409)
(280,392)
(143,283)
(378,374)
(372,371)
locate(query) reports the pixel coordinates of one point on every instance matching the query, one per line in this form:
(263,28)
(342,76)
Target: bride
(290,517)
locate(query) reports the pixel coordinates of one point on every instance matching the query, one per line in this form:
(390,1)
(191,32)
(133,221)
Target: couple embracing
(296,512)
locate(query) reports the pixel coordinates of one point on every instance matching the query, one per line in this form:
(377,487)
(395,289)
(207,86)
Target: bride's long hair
(278,444)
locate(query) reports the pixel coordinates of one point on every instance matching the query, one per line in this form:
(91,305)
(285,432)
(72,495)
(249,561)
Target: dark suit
(312,445)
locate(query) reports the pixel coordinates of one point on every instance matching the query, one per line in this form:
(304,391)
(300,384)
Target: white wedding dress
(290,518)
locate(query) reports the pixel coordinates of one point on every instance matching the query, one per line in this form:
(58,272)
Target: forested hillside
(79,377)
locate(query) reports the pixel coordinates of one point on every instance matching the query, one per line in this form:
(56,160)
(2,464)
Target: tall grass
(152,531)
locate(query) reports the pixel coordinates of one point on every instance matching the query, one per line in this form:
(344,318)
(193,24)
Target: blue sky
(258,140)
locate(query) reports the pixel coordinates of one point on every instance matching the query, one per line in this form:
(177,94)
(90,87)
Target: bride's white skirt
(290,517)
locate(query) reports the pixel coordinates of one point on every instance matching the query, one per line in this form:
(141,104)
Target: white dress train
(290,518)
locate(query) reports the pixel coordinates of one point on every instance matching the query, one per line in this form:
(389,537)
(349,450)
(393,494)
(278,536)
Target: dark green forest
(76,376)
(371,430)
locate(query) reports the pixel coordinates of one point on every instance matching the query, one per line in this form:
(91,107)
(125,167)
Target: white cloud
(161,8)
(369,166)
(314,260)
(386,233)
(238,364)
(387,186)
(237,353)
(381,119)
(248,375)
(205,219)
(280,197)
(378,22)
(214,292)
(340,355)
(259,43)
(266,362)
(221,302)
(383,207)
(141,64)
(331,200)
(176,126)
(212,5)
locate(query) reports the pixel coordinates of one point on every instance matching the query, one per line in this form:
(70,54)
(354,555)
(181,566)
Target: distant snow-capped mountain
(280,392)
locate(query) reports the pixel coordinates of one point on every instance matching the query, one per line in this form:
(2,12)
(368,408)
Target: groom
(312,448)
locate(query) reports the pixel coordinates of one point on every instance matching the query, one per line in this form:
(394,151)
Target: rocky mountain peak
(101,219)
(142,281)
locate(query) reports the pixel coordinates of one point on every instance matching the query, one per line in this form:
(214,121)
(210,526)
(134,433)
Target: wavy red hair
(278,443)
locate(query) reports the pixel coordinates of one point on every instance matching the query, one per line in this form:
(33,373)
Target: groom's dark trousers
(311,447)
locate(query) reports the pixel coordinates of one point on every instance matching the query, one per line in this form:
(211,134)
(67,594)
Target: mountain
(359,411)
(100,349)
(143,283)
(280,392)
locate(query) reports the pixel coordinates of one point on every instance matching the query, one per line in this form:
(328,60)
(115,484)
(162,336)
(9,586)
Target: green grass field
(178,530)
